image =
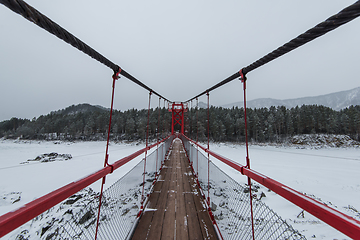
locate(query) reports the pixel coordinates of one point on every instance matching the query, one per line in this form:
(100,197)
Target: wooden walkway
(175,209)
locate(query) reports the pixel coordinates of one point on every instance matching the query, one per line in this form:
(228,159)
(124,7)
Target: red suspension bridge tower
(177,114)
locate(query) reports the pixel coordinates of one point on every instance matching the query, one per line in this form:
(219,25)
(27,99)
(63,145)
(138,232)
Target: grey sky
(178,48)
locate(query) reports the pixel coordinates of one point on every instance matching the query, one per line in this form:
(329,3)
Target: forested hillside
(86,122)
(276,123)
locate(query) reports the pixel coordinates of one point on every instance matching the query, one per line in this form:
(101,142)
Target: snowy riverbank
(329,175)
(34,179)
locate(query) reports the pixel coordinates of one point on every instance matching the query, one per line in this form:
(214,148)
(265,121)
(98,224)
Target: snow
(329,175)
(36,179)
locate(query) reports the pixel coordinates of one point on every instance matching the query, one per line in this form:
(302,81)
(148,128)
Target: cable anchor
(243,78)
(116,76)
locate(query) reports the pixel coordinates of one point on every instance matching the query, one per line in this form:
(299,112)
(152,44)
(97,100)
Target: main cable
(33,15)
(333,22)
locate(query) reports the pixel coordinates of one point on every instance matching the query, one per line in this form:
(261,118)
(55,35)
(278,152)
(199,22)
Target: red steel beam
(12,220)
(338,220)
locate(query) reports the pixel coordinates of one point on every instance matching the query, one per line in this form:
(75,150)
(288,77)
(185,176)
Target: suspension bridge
(176,191)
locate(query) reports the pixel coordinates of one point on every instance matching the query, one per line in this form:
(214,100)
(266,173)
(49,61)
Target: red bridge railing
(17,218)
(338,220)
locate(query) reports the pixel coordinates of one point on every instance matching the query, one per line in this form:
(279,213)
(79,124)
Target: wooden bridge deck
(175,209)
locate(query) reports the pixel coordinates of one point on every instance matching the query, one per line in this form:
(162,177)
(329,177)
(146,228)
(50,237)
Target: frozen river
(330,175)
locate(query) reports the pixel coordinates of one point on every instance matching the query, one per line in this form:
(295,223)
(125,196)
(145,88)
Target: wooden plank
(158,218)
(145,223)
(206,225)
(193,223)
(158,185)
(168,228)
(180,214)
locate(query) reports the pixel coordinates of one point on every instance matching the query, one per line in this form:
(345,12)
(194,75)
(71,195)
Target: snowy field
(330,175)
(22,182)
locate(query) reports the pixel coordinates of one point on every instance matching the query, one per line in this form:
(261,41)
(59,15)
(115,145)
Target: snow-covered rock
(50,157)
(324,140)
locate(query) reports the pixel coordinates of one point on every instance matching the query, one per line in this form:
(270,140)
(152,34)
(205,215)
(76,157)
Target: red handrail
(338,220)
(15,219)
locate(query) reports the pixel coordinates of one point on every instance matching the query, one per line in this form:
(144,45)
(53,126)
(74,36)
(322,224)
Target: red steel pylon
(178,111)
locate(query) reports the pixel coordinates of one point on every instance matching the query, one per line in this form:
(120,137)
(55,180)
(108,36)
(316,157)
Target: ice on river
(34,179)
(330,175)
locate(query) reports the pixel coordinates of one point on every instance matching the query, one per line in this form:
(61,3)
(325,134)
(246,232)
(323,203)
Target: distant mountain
(336,101)
(84,107)
(202,105)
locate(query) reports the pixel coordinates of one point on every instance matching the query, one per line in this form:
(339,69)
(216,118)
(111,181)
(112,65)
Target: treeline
(264,125)
(274,123)
(89,125)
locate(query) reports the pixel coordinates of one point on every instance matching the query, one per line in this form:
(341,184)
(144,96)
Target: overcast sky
(177,48)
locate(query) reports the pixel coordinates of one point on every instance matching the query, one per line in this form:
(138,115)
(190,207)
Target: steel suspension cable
(208,146)
(243,80)
(197,138)
(33,15)
(333,22)
(163,129)
(162,133)
(190,120)
(106,163)
(146,144)
(158,137)
(344,16)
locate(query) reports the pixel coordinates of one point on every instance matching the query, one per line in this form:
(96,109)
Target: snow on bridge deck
(175,209)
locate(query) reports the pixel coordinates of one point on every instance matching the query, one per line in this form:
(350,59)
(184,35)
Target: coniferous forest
(275,124)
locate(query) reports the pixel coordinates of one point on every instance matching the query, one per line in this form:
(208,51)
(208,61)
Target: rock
(88,215)
(24,235)
(219,216)
(253,189)
(217,193)
(10,198)
(213,207)
(324,140)
(262,195)
(44,229)
(72,199)
(301,214)
(51,157)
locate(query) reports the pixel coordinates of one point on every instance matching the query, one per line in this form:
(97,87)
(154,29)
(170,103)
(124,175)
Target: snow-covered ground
(22,182)
(330,175)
